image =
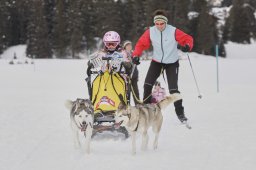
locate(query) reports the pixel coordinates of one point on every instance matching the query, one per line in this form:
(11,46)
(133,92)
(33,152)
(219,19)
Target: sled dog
(81,120)
(141,117)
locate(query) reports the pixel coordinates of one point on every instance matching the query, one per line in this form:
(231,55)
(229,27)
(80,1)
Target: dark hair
(160,12)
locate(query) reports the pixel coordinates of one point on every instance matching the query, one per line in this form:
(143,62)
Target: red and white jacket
(164,43)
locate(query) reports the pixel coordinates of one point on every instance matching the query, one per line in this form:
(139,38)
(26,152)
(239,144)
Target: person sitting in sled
(158,93)
(127,49)
(112,45)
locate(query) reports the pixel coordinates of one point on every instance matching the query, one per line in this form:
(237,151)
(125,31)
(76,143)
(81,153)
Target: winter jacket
(164,43)
(120,53)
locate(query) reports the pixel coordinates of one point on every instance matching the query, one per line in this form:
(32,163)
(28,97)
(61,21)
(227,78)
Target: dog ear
(88,104)
(121,106)
(121,99)
(69,104)
(76,105)
(88,101)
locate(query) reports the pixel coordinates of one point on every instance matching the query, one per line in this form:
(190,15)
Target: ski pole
(199,94)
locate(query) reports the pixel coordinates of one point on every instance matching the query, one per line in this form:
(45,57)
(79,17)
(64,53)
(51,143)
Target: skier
(164,39)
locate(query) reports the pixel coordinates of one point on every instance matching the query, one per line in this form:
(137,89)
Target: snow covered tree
(205,33)
(240,25)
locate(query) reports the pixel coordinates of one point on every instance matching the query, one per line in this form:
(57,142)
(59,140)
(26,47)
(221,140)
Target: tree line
(62,28)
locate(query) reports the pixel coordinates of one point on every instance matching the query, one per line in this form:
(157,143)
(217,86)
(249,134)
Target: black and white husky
(81,120)
(141,117)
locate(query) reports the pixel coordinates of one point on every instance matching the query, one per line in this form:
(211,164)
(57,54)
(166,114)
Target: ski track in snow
(35,132)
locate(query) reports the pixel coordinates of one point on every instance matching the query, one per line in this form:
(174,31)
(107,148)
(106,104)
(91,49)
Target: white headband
(160,18)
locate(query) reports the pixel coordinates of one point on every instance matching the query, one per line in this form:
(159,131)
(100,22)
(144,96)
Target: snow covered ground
(35,133)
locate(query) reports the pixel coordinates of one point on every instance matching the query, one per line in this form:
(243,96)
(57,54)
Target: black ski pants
(134,84)
(172,72)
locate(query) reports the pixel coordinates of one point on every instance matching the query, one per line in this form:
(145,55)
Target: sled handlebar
(99,72)
(106,58)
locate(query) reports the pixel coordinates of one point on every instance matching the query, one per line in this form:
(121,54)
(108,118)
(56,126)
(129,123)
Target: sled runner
(107,83)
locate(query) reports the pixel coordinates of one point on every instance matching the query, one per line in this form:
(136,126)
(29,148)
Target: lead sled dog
(81,120)
(141,117)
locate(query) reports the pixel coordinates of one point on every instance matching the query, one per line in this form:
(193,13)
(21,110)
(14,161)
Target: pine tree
(139,19)
(4,15)
(127,20)
(49,11)
(9,14)
(13,16)
(38,45)
(251,6)
(226,3)
(206,31)
(76,27)
(90,18)
(118,23)
(107,15)
(205,39)
(181,15)
(61,30)
(241,23)
(14,23)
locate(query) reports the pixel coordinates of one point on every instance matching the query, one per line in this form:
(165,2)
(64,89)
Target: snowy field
(35,132)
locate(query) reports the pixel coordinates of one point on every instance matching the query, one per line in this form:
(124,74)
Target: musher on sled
(108,81)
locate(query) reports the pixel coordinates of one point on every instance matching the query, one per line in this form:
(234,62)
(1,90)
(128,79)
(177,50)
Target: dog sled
(107,84)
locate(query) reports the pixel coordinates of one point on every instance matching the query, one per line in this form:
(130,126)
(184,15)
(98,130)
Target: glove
(136,60)
(185,48)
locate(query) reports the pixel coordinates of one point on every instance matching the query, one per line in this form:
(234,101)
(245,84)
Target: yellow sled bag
(106,89)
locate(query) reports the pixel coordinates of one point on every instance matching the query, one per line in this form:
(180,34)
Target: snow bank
(235,50)
(19,50)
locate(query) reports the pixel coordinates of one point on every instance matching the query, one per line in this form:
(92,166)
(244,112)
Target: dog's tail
(168,100)
(68,104)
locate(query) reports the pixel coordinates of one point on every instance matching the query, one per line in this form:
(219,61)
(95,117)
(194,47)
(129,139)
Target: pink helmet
(111,40)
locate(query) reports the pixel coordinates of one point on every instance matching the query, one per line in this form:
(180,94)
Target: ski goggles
(111,44)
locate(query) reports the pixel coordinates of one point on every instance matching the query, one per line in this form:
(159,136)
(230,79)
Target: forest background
(65,28)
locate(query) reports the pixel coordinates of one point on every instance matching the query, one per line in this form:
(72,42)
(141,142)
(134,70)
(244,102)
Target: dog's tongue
(117,125)
(83,128)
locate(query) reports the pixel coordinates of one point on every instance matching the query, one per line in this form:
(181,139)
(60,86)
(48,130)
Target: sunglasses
(162,23)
